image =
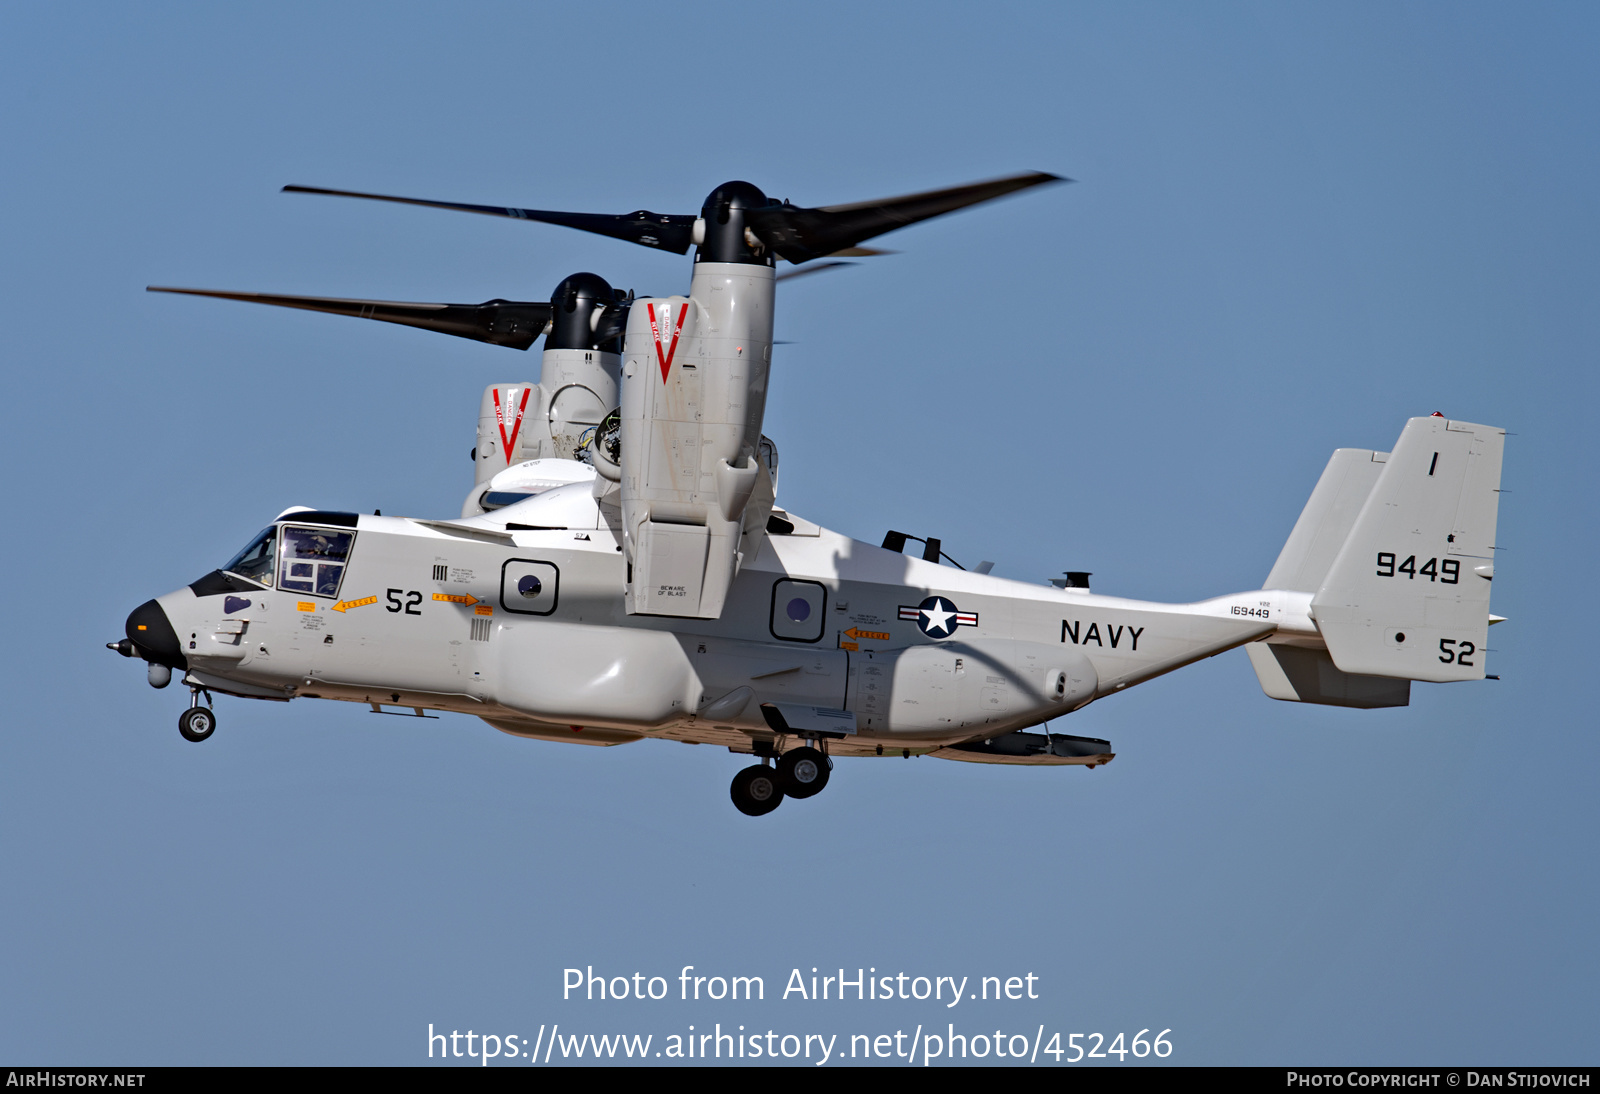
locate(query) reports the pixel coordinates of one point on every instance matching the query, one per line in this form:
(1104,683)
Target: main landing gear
(756,791)
(198,722)
(803,771)
(800,773)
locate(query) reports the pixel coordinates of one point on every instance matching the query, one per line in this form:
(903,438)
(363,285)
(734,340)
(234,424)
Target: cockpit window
(314,559)
(255,561)
(499,499)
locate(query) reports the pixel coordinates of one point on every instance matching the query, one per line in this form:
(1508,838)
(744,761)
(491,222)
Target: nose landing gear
(198,722)
(800,773)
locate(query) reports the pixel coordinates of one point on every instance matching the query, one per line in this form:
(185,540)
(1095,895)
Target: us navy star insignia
(938,617)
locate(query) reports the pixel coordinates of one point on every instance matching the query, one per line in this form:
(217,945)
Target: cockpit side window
(256,561)
(313,559)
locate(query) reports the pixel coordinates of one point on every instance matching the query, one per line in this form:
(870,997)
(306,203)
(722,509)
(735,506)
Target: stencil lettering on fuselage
(1110,635)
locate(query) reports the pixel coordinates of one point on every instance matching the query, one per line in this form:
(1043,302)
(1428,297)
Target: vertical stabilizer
(1326,520)
(1408,594)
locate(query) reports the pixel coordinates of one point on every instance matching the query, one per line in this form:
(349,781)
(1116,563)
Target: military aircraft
(621,568)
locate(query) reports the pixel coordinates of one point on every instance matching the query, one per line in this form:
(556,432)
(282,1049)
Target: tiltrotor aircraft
(621,569)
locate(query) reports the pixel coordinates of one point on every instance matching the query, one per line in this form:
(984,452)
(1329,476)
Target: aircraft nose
(151,630)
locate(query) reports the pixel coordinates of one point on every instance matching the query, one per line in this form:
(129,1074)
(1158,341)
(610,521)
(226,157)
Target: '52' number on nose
(413,598)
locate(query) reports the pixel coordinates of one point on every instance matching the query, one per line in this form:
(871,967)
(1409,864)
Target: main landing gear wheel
(197,723)
(803,771)
(757,791)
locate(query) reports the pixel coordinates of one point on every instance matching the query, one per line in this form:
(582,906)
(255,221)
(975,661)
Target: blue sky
(1294,226)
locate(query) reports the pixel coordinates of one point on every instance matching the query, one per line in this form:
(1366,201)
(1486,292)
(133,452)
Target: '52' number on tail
(1454,652)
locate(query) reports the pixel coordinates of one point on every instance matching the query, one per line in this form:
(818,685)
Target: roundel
(936,617)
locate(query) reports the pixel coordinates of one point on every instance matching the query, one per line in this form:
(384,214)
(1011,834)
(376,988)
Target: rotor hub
(726,225)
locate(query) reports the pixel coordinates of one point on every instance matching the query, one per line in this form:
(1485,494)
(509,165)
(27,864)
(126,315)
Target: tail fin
(1327,519)
(1407,596)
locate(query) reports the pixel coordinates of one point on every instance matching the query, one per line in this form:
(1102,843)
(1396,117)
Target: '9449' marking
(1447,572)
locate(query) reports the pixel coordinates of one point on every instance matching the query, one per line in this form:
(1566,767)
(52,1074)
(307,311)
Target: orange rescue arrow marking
(854,632)
(345,605)
(452,598)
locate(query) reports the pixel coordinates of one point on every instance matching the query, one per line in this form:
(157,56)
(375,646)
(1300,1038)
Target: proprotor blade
(498,322)
(790,275)
(800,235)
(663,231)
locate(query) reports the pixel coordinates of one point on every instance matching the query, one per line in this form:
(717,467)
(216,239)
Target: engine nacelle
(578,384)
(694,391)
(547,420)
(505,436)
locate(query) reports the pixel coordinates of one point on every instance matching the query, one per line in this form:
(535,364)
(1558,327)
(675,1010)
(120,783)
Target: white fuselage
(428,615)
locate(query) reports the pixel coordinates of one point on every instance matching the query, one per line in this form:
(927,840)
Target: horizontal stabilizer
(1309,676)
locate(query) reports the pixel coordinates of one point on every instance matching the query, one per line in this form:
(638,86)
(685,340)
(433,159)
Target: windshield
(255,561)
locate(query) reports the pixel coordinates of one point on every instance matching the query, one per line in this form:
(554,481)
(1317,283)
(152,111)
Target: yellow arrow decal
(857,633)
(452,598)
(346,605)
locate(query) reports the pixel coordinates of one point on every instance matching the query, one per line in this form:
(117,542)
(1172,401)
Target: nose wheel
(198,722)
